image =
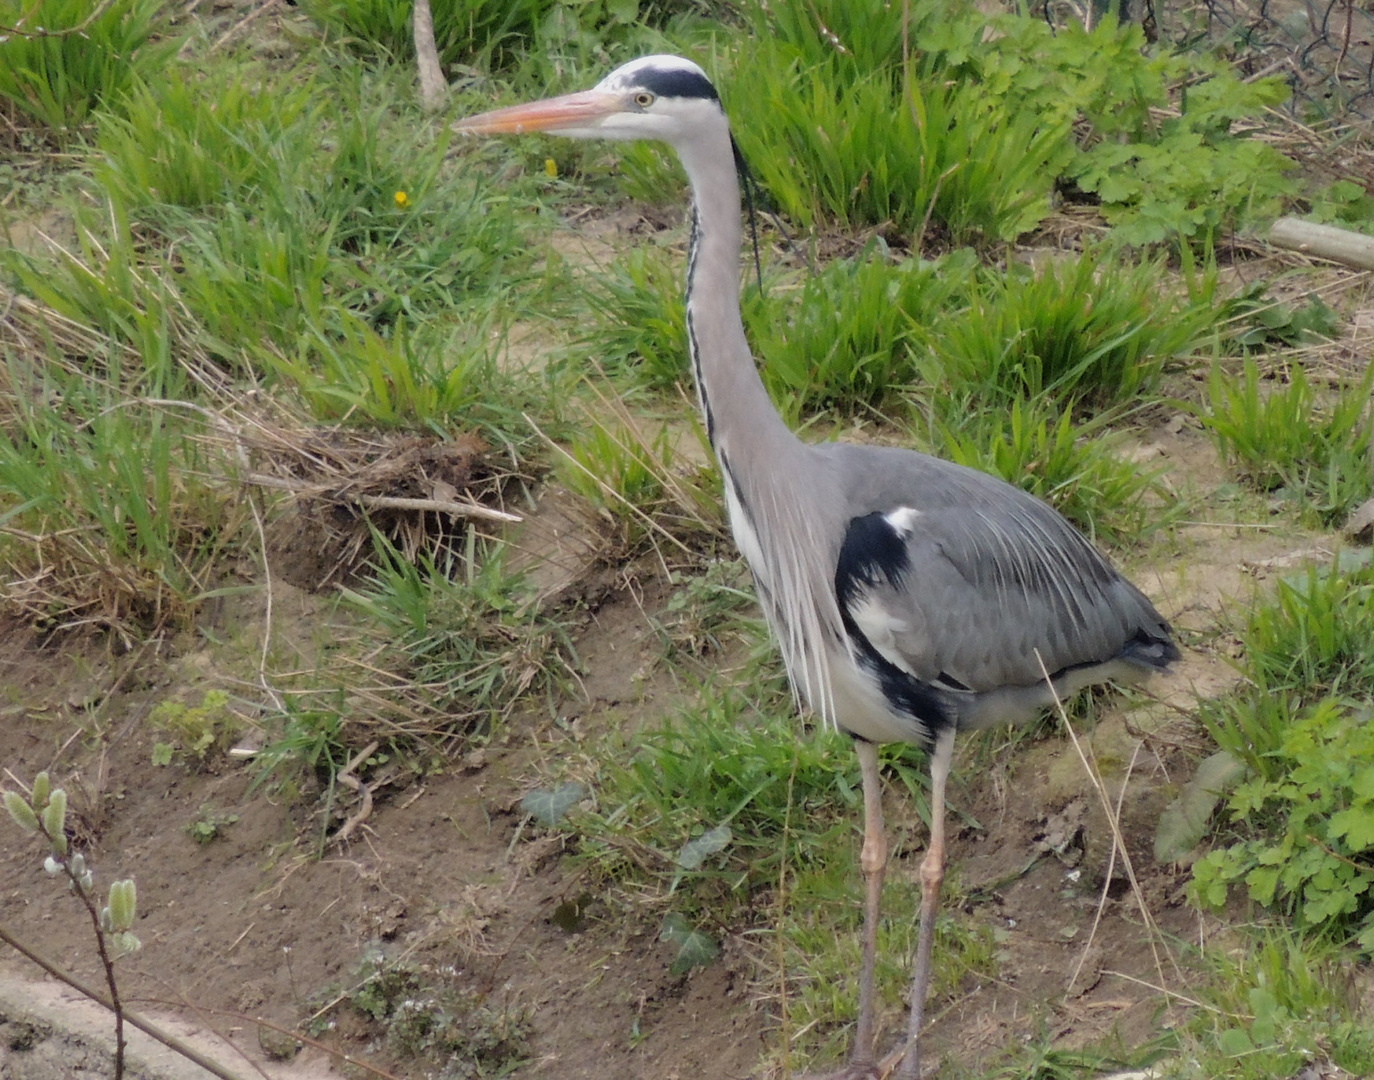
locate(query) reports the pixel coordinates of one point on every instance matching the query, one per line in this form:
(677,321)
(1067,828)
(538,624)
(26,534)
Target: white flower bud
(123,904)
(21,811)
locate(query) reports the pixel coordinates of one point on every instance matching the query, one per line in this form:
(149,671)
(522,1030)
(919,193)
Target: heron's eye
(644,99)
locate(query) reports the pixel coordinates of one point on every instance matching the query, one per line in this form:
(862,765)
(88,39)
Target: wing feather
(986,577)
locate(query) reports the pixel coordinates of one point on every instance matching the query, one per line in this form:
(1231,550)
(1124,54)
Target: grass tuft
(88,58)
(1286,441)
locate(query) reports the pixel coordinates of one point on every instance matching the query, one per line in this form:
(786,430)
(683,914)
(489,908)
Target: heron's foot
(851,1071)
(872,1070)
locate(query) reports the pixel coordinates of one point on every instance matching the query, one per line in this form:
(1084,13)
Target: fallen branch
(139,1021)
(1324,242)
(345,776)
(391,502)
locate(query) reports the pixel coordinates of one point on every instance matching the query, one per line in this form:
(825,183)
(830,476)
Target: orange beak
(571,112)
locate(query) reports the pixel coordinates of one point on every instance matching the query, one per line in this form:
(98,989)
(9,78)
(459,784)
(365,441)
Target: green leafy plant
(1284,325)
(1312,861)
(1162,138)
(425,1015)
(1285,440)
(44,811)
(1196,174)
(1345,203)
(1306,812)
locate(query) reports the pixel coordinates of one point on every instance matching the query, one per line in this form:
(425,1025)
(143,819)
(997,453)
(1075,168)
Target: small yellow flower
(402,200)
(551,167)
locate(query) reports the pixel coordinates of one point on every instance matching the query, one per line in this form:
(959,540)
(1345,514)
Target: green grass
(1092,329)
(58,81)
(290,239)
(1273,1007)
(710,809)
(199,142)
(854,336)
(469,634)
(465,31)
(1075,467)
(1293,443)
(424,379)
(873,153)
(639,318)
(112,512)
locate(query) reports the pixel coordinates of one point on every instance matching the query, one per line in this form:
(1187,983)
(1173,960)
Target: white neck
(729,390)
(770,476)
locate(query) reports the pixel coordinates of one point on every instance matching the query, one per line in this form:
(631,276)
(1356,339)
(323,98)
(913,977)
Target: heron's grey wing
(962,579)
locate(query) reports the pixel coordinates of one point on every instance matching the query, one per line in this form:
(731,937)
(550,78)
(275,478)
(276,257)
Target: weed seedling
(210,824)
(192,731)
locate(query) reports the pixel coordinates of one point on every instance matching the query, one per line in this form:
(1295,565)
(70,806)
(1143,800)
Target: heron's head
(655,97)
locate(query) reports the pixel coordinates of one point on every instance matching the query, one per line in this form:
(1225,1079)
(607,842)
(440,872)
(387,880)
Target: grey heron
(911,598)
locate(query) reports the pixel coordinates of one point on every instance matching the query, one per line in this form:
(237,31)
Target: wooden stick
(1324,242)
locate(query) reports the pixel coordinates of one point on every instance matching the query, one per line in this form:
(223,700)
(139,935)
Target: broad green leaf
(697,850)
(550,807)
(1184,821)
(694,948)
(1356,824)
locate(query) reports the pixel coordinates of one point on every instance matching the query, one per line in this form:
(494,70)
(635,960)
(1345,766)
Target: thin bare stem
(136,1019)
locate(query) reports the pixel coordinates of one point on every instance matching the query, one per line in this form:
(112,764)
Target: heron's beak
(570,112)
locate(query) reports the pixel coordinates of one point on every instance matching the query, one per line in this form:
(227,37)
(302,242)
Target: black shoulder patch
(676,83)
(872,549)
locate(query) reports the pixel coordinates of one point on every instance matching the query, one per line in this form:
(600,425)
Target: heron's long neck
(771,477)
(731,394)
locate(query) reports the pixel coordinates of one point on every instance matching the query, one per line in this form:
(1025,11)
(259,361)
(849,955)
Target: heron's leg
(932,875)
(873,861)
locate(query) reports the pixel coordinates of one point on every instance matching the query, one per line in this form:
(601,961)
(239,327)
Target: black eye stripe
(674,82)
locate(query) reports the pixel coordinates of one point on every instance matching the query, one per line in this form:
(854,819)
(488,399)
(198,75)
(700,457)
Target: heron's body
(911,598)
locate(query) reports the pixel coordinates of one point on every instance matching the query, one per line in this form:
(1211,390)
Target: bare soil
(269,921)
